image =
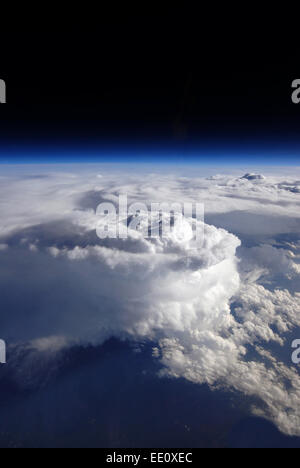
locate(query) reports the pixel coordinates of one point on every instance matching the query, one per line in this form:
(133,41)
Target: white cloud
(251,176)
(204,308)
(51,344)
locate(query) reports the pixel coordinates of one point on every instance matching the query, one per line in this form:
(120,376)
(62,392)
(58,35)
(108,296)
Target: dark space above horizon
(68,90)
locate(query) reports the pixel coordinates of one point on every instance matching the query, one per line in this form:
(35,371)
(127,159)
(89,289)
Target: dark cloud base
(110,396)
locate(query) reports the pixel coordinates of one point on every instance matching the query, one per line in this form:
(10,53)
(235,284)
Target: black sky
(116,84)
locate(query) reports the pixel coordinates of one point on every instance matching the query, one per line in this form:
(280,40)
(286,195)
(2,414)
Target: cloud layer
(215,313)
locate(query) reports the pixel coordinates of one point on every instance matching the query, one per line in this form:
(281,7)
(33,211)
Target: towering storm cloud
(217,315)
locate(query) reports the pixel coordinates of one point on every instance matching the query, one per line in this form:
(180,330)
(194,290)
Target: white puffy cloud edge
(205,309)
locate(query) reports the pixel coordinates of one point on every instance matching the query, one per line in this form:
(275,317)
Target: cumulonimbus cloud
(203,309)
